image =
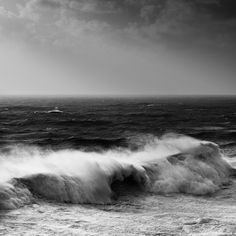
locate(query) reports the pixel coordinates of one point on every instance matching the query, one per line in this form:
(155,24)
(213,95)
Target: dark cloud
(199,24)
(50,3)
(220,9)
(139,10)
(179,18)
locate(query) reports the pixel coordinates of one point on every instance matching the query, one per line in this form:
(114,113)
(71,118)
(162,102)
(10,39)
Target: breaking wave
(170,164)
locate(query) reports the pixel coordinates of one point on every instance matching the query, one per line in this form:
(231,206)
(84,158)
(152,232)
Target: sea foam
(170,164)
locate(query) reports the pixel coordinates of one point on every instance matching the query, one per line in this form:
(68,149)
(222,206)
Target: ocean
(118,166)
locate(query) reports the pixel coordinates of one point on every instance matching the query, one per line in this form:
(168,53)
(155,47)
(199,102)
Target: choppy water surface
(145,166)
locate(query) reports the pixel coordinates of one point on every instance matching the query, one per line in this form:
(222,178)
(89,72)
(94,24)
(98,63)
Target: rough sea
(118,166)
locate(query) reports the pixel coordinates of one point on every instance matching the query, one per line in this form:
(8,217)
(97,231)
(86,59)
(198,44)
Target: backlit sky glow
(117,47)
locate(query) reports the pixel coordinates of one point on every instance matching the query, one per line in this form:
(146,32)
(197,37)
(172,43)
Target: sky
(117,47)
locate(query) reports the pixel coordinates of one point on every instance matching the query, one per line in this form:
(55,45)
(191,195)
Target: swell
(171,164)
(78,143)
(63,141)
(44,119)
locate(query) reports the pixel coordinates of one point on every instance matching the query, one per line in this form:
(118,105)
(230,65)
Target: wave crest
(171,164)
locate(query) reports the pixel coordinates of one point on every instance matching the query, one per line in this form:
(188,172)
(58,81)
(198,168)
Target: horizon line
(115,95)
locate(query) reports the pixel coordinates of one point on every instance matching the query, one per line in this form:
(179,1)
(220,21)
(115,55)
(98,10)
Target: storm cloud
(190,42)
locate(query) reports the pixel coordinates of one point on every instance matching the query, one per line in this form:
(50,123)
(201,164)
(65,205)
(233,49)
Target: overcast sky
(117,47)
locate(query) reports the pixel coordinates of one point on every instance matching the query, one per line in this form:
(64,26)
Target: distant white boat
(55,110)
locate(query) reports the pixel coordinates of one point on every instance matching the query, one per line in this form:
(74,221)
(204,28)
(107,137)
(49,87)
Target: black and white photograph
(118,117)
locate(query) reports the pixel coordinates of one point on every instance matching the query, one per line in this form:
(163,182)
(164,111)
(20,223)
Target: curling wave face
(171,164)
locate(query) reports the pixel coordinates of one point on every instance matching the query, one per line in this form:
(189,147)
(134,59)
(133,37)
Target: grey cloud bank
(127,46)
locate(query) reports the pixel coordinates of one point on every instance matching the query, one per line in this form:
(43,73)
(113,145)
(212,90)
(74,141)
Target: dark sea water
(118,166)
(105,123)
